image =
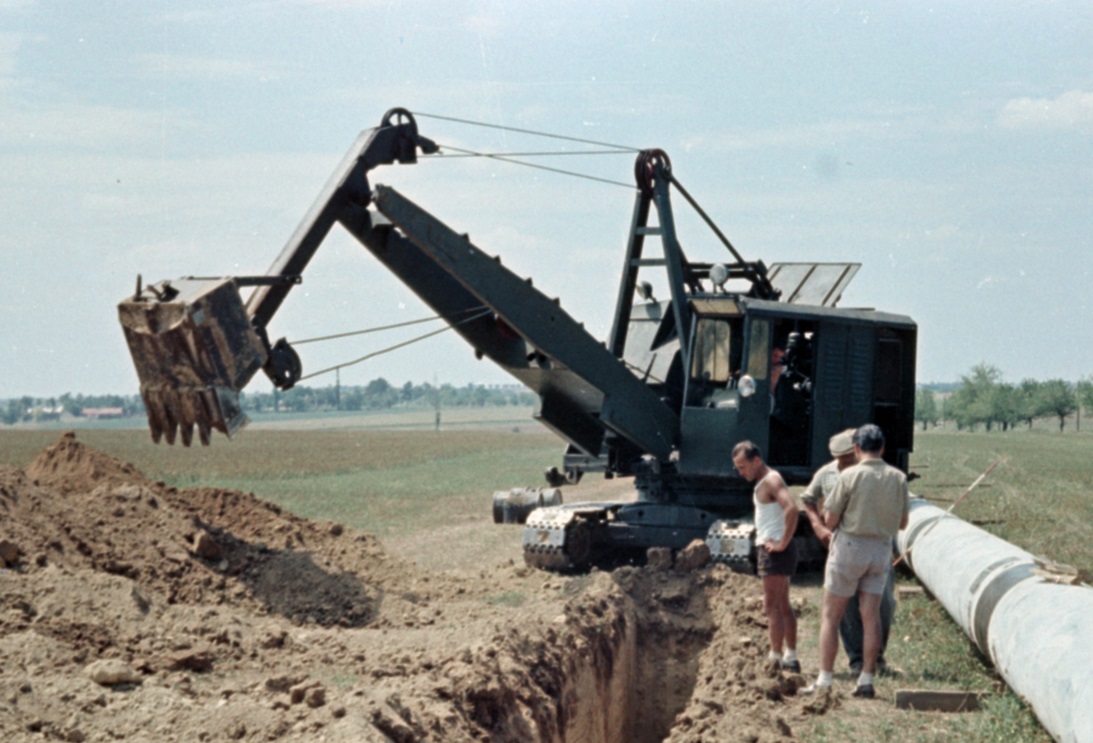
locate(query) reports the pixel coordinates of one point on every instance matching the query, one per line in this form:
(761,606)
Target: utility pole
(436,401)
(337,388)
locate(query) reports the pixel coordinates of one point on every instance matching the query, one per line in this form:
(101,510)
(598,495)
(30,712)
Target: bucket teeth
(174,413)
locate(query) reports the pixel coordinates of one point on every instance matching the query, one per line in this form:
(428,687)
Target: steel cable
(396,346)
(381,327)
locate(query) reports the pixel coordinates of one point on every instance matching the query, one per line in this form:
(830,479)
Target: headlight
(746,386)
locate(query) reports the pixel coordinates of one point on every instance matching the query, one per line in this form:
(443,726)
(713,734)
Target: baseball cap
(842,443)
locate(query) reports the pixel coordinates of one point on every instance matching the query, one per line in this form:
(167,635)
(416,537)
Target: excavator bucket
(195,349)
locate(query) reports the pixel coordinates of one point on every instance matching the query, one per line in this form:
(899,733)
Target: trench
(627,682)
(638,700)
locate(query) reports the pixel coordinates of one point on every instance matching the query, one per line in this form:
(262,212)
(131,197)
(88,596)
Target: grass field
(428,495)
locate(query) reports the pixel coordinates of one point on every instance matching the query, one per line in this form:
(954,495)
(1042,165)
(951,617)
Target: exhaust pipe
(1036,632)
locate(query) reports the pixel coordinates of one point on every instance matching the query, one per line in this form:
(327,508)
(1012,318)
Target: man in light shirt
(869,505)
(841,446)
(775,524)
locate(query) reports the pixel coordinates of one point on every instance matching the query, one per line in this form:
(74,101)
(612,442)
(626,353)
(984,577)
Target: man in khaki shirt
(869,505)
(841,446)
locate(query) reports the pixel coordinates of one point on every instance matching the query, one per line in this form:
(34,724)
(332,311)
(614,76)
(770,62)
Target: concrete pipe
(1037,633)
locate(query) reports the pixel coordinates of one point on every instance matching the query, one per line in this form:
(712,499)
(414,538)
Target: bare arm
(818,527)
(831,520)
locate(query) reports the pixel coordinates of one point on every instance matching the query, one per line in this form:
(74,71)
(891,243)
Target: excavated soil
(133,610)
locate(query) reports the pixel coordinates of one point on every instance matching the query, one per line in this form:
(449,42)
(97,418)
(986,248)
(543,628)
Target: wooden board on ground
(937,701)
(906,592)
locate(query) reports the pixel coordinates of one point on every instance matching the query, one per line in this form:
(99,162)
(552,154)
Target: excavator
(737,350)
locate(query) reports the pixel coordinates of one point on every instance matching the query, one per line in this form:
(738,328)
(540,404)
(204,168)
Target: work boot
(864,691)
(793,666)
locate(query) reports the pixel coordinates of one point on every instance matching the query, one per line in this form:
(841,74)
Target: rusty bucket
(194,349)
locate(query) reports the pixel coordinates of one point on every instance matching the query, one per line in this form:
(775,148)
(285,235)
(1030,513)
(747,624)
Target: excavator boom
(194,342)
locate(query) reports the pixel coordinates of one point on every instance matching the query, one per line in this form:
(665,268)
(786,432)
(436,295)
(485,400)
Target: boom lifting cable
(396,346)
(546,153)
(507,159)
(619,147)
(382,327)
(614,148)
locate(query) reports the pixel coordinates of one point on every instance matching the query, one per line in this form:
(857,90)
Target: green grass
(1038,497)
(393,499)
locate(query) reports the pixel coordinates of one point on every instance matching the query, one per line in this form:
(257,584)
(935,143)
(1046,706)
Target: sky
(947,147)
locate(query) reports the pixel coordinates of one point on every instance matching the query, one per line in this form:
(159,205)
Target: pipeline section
(1037,633)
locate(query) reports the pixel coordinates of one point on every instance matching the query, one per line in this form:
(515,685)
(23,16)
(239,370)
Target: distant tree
(380,394)
(26,408)
(71,405)
(1058,397)
(1030,400)
(352,398)
(972,402)
(926,408)
(1085,394)
(12,412)
(1005,404)
(295,399)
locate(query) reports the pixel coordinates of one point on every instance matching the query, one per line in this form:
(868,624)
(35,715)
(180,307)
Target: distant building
(102,413)
(46,413)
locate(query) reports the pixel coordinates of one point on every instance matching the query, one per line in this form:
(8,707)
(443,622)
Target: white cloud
(206,68)
(92,127)
(1071,110)
(9,48)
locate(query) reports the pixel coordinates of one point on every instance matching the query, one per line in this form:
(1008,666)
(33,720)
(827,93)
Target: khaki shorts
(857,564)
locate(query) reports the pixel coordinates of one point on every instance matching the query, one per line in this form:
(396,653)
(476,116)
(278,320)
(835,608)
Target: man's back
(871,498)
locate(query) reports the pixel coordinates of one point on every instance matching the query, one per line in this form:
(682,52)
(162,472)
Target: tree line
(983,399)
(980,399)
(379,394)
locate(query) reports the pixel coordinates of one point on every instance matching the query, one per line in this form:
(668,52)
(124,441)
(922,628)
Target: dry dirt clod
(694,556)
(659,558)
(111,672)
(9,553)
(206,547)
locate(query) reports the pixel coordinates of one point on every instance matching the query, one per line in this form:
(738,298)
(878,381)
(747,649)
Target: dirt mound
(70,466)
(210,614)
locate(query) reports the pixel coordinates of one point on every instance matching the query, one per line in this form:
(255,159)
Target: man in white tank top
(775,524)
